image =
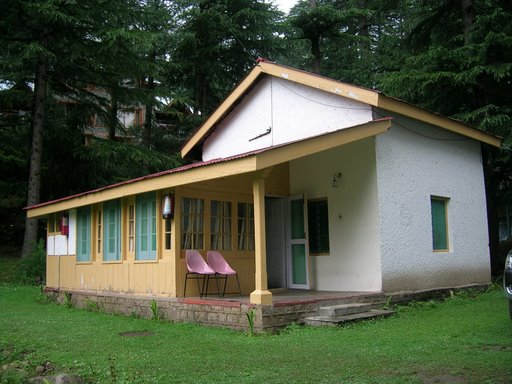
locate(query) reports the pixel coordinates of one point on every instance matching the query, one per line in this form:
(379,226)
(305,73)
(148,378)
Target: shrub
(32,269)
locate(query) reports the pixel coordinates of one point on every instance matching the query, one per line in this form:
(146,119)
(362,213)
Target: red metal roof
(182,169)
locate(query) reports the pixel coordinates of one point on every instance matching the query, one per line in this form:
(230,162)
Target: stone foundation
(210,312)
(231,313)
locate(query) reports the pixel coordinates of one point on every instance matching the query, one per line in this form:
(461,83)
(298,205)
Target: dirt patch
(136,333)
(497,348)
(442,379)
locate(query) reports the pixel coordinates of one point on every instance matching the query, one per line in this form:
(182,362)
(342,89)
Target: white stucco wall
(415,161)
(291,112)
(354,260)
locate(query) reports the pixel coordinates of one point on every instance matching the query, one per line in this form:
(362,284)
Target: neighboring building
(302,182)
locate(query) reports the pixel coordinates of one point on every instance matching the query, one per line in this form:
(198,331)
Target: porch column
(261,295)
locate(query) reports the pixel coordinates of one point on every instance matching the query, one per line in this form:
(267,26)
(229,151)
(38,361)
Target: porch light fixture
(335,179)
(168,206)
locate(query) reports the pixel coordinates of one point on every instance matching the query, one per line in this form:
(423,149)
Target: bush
(33,268)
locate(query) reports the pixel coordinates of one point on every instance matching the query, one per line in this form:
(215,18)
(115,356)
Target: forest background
(178,59)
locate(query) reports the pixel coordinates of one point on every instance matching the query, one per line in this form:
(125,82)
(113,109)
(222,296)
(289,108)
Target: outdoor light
(168,206)
(335,179)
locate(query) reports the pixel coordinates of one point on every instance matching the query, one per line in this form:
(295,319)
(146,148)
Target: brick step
(337,320)
(345,309)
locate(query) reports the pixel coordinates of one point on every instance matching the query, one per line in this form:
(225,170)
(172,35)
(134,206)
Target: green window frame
(439,210)
(112,231)
(145,219)
(318,227)
(83,218)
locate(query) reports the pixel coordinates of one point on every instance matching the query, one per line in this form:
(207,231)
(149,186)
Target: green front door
(297,244)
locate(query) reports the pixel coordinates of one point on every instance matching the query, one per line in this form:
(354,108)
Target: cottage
(301,182)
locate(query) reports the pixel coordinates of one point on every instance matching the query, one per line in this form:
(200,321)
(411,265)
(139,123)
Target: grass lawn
(461,340)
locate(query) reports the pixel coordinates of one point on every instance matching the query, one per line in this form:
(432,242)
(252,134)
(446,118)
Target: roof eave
(426,116)
(221,110)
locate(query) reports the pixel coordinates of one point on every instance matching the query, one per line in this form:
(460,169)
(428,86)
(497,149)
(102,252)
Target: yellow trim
(452,125)
(321,143)
(323,83)
(247,164)
(193,175)
(222,109)
(261,294)
(368,96)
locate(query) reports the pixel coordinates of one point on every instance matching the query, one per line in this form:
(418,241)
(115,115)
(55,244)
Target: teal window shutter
(146,227)
(112,231)
(83,251)
(439,224)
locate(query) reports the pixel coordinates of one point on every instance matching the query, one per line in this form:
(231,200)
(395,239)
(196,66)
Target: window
(83,252)
(318,226)
(245,227)
(111,231)
(167,233)
(221,225)
(439,206)
(192,223)
(131,228)
(146,227)
(99,234)
(53,224)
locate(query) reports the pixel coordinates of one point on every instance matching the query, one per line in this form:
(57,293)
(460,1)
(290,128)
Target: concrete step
(345,309)
(331,321)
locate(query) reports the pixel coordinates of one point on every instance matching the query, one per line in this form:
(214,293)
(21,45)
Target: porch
(288,306)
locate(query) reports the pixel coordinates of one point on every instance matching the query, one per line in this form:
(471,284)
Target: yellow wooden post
(261,295)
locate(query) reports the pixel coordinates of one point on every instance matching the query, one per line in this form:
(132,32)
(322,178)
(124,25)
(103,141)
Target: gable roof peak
(374,98)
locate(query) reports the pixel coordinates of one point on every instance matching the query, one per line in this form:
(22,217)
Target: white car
(507,281)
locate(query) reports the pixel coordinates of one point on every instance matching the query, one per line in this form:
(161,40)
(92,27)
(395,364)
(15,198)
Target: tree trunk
(112,124)
(468,14)
(491,185)
(364,33)
(315,46)
(315,51)
(148,119)
(34,180)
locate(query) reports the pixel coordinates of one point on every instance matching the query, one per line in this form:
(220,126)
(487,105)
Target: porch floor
(285,296)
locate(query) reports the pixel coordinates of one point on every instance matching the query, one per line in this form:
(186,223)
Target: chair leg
(206,281)
(225,285)
(217,276)
(185,288)
(198,286)
(238,282)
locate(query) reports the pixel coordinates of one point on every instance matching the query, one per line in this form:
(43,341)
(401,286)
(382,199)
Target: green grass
(467,338)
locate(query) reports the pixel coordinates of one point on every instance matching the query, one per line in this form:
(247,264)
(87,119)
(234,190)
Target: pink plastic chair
(198,269)
(222,269)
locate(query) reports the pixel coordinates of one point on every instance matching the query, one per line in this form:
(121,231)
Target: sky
(285,5)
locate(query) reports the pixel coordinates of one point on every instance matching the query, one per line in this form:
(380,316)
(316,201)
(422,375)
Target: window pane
(297,213)
(192,220)
(318,226)
(167,234)
(83,234)
(145,220)
(245,226)
(220,225)
(439,227)
(111,217)
(299,272)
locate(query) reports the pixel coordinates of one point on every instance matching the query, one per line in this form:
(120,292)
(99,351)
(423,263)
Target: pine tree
(219,42)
